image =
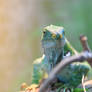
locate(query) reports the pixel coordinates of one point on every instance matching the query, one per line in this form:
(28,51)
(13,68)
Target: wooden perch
(85,46)
(85,55)
(83,40)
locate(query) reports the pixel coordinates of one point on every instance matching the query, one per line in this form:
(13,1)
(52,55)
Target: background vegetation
(21,22)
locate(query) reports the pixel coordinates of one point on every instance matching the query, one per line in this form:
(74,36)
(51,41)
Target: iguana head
(53,36)
(53,41)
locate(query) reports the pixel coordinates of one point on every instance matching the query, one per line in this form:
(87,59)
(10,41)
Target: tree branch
(83,40)
(80,57)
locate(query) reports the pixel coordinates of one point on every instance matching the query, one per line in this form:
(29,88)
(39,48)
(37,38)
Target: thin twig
(83,40)
(83,83)
(89,82)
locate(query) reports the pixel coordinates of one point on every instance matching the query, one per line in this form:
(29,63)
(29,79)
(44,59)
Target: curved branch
(80,57)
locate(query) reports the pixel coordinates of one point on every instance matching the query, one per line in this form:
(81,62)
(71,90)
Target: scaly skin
(55,47)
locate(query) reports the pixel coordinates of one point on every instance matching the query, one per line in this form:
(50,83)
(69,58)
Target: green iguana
(56,47)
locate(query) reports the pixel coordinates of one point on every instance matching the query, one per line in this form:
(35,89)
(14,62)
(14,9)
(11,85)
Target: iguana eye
(44,32)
